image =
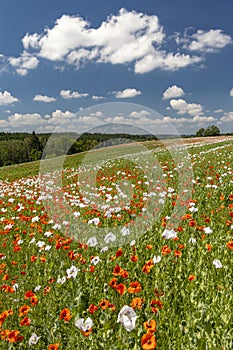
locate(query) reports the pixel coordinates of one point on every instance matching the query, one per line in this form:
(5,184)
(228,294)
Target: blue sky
(58,58)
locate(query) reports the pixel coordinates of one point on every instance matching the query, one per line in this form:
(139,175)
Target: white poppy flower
(33,339)
(156,259)
(217,264)
(127,317)
(84,325)
(168,234)
(207,230)
(72,272)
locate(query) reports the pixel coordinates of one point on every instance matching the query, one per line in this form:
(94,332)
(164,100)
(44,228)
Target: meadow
(165,283)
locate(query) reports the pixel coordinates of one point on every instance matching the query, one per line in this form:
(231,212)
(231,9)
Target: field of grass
(165,283)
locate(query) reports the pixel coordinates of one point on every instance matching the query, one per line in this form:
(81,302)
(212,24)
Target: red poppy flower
(65,315)
(148,342)
(135,287)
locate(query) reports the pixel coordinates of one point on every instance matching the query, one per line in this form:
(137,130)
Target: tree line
(18,148)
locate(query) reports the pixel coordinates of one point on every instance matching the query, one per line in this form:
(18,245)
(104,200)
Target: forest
(18,148)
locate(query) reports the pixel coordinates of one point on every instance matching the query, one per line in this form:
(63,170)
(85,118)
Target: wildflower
(104,303)
(208,247)
(125,231)
(217,264)
(37,288)
(28,294)
(119,253)
(169,234)
(33,340)
(137,303)
(230,245)
(110,237)
(177,253)
(95,260)
(134,258)
(148,266)
(54,346)
(117,271)
(157,302)
(23,310)
(207,230)
(34,300)
(65,315)
(148,342)
(127,317)
(92,242)
(193,209)
(92,309)
(72,272)
(40,244)
(84,326)
(121,288)
(150,326)
(104,249)
(113,283)
(13,336)
(156,259)
(94,221)
(192,240)
(25,322)
(135,287)
(191,277)
(166,250)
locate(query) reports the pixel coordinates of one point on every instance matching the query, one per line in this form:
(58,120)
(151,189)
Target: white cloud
(96,98)
(6,98)
(139,114)
(183,107)
(218,110)
(231,92)
(172,92)
(127,93)
(165,61)
(128,37)
(196,120)
(24,63)
(43,98)
(209,41)
(67,94)
(59,117)
(227,117)
(29,119)
(203,119)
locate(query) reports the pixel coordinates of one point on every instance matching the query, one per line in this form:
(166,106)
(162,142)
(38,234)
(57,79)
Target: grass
(188,297)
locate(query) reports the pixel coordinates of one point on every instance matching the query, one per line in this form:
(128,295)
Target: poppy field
(163,284)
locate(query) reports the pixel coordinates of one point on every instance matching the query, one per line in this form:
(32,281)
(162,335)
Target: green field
(177,272)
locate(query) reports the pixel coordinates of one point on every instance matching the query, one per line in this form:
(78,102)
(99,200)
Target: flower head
(127,317)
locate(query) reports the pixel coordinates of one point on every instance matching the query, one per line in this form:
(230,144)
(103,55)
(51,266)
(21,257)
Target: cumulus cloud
(127,93)
(6,98)
(128,37)
(172,92)
(67,94)
(165,61)
(182,107)
(24,63)
(139,114)
(208,41)
(43,98)
(227,117)
(59,117)
(231,92)
(199,120)
(28,119)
